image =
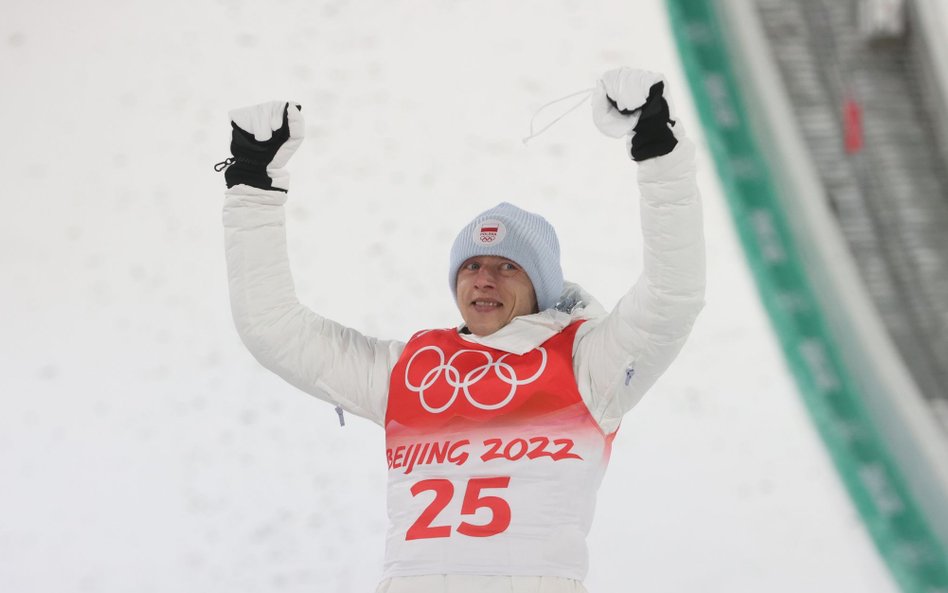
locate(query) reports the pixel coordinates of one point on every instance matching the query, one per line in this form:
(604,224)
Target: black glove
(263,139)
(632,103)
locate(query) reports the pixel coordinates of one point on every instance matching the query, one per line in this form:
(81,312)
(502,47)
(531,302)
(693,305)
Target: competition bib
(494,460)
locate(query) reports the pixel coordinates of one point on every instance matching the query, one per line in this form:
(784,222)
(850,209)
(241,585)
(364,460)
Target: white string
(587,92)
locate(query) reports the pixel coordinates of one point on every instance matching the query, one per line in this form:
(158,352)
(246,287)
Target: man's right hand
(264,138)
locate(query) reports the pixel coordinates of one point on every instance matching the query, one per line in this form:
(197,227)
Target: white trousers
(455,583)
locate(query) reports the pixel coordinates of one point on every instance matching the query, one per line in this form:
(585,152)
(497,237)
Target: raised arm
(319,356)
(619,358)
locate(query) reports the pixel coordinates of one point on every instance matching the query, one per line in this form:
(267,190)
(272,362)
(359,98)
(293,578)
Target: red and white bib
(494,460)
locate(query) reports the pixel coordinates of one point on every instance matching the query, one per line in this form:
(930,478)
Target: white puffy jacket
(617,356)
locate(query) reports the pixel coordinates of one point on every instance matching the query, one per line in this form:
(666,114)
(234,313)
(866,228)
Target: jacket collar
(526,332)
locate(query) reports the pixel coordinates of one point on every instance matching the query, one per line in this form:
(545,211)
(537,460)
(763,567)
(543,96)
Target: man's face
(491,292)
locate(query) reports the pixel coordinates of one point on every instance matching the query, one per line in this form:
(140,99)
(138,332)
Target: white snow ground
(142,449)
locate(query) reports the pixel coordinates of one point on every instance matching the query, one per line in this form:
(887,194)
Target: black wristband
(247,173)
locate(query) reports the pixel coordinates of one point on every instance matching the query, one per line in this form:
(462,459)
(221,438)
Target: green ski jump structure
(888,450)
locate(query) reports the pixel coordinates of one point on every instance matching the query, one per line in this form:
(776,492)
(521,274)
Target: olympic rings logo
(501,370)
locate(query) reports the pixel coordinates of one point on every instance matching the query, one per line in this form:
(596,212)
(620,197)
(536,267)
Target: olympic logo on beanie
(490,232)
(520,236)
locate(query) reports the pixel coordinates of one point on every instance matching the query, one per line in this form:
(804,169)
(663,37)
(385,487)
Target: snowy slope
(142,449)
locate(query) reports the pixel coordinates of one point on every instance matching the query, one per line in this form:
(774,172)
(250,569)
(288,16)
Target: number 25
(422,528)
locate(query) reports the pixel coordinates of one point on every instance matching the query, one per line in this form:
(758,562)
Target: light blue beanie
(520,236)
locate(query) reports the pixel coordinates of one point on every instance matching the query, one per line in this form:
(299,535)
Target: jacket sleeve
(618,358)
(334,363)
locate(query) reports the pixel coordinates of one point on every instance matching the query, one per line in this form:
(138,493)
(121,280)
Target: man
(498,432)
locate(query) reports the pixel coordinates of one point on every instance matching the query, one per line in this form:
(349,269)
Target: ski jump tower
(828,123)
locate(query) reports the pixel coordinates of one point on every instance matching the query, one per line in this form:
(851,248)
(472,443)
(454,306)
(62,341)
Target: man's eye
(508,267)
(473,266)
